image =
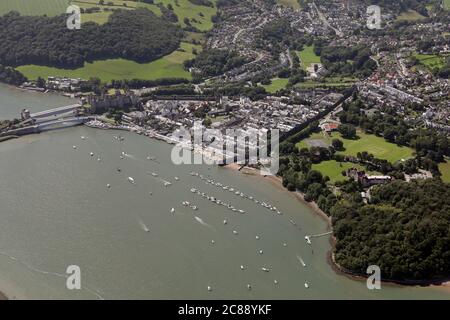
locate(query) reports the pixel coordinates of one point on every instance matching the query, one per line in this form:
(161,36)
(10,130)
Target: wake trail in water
(301,261)
(143,226)
(203,223)
(60,275)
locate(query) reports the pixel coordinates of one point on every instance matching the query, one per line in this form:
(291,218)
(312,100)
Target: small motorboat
(225,222)
(131,180)
(265,269)
(306,285)
(108,186)
(92,154)
(172,210)
(74,147)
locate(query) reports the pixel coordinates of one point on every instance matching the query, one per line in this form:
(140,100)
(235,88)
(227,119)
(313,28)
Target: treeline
(215,62)
(139,83)
(137,35)
(205,3)
(406,231)
(348,60)
(9,75)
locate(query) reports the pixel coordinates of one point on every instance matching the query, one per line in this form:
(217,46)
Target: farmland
(34,7)
(198,16)
(372,144)
(166,67)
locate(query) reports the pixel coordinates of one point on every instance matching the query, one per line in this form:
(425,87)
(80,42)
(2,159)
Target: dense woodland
(215,62)
(137,35)
(406,231)
(11,76)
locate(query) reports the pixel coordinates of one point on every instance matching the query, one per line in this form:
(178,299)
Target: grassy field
(333,169)
(431,61)
(444,168)
(199,16)
(447,4)
(277,84)
(34,7)
(410,15)
(290,3)
(307,57)
(370,143)
(107,70)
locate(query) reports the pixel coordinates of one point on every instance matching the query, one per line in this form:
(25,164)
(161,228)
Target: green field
(170,66)
(199,16)
(431,61)
(277,84)
(370,143)
(34,7)
(410,15)
(290,3)
(444,168)
(307,57)
(333,169)
(447,4)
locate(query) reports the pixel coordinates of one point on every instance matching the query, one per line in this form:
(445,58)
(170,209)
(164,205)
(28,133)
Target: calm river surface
(56,211)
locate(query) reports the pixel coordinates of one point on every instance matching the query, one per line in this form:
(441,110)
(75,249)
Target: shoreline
(277,182)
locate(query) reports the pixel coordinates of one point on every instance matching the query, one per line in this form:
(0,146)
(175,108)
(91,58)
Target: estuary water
(60,206)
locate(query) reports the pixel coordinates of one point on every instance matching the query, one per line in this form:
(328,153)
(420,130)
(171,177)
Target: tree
(337,144)
(347,131)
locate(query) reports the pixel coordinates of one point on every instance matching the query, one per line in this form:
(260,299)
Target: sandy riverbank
(278,183)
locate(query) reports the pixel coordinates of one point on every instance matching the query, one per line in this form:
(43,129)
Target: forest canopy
(137,35)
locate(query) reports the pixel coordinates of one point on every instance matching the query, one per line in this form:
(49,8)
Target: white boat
(235,232)
(92,154)
(242,268)
(83,137)
(306,285)
(225,222)
(275,281)
(130,179)
(193,190)
(209,289)
(212,241)
(154,174)
(74,147)
(249,287)
(308,239)
(177,179)
(172,210)
(108,186)
(257,237)
(241,211)
(167,183)
(261,252)
(265,269)
(194,208)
